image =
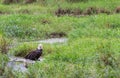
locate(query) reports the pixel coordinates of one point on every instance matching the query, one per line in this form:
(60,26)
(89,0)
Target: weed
(117,10)
(4,44)
(3,62)
(106,60)
(106,55)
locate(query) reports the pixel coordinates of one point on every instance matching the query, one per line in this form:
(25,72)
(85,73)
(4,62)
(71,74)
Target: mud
(94,10)
(61,12)
(117,10)
(25,11)
(45,21)
(56,35)
(73,12)
(29,1)
(1,12)
(87,11)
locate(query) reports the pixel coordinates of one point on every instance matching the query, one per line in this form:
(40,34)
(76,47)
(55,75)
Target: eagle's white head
(40,46)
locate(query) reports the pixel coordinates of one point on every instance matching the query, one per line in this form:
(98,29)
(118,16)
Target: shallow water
(54,40)
(51,40)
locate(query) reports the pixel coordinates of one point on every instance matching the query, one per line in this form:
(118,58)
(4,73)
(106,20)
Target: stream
(19,63)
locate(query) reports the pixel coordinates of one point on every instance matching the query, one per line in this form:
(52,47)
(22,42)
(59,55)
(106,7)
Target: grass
(101,26)
(4,44)
(92,50)
(36,29)
(3,62)
(16,26)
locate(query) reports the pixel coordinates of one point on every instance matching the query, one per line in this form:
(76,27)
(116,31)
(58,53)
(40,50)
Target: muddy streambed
(19,63)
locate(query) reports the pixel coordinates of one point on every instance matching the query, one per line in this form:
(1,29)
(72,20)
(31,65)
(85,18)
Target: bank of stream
(19,63)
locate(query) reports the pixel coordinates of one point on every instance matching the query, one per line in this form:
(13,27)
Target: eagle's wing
(31,55)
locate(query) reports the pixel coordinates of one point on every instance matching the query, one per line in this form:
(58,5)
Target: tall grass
(4,44)
(101,26)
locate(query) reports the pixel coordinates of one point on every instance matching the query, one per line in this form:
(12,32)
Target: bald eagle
(34,55)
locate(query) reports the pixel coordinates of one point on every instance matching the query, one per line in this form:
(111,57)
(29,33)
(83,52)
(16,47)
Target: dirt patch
(75,12)
(117,10)
(4,13)
(56,35)
(18,1)
(29,1)
(10,1)
(94,10)
(45,21)
(25,11)
(1,12)
(61,12)
(1,72)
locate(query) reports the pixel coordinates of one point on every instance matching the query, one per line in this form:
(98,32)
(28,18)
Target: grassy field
(91,26)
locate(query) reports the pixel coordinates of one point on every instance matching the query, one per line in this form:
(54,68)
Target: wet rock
(20,64)
(17,67)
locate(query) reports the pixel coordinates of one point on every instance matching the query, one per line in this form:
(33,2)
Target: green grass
(103,26)
(92,50)
(17,24)
(3,62)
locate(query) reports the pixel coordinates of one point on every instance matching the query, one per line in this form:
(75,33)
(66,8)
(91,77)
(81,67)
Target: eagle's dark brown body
(34,55)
